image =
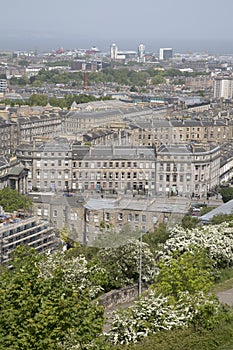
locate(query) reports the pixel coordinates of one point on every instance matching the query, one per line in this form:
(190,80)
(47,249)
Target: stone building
(187,170)
(176,131)
(49,163)
(113,169)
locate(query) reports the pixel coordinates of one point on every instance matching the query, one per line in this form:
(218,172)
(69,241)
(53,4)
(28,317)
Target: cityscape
(116,175)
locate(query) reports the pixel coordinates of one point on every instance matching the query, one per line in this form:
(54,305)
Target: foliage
(158,236)
(48,303)
(220,218)
(226,193)
(190,271)
(189,222)
(12,200)
(218,338)
(108,238)
(122,264)
(154,313)
(217,240)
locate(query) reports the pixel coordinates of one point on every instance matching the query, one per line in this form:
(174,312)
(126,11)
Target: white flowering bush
(217,240)
(122,263)
(74,271)
(153,313)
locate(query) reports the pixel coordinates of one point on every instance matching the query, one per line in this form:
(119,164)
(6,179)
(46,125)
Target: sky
(203,25)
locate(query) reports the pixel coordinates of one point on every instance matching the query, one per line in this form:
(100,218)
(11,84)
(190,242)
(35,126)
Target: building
(165,53)
(141,53)
(127,214)
(223,87)
(113,169)
(113,52)
(49,163)
(3,86)
(17,230)
(191,170)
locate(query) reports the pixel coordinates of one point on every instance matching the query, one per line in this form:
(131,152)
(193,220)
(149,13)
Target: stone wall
(120,296)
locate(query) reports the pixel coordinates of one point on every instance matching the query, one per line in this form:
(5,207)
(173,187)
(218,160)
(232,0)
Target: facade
(176,131)
(3,86)
(113,52)
(223,87)
(141,53)
(103,216)
(60,211)
(165,53)
(113,169)
(49,164)
(187,170)
(13,174)
(15,231)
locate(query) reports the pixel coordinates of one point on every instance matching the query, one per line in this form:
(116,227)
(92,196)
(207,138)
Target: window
(143,218)
(55,213)
(129,164)
(59,163)
(122,164)
(107,216)
(136,218)
(39,211)
(104,164)
(96,218)
(120,216)
(129,217)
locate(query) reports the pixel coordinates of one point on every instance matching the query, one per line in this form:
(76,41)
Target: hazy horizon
(47,25)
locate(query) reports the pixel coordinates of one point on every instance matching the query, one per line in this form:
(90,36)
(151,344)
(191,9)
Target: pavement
(226,297)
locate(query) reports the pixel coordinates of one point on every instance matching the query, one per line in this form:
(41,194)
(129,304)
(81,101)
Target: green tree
(189,222)
(12,200)
(48,303)
(190,271)
(226,193)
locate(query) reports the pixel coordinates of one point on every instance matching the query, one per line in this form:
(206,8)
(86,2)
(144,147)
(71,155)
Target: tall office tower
(141,52)
(113,52)
(223,87)
(165,53)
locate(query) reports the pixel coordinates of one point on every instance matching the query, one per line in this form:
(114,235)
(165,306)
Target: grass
(226,280)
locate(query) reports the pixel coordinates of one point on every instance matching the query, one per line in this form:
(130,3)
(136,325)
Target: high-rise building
(141,53)
(165,53)
(113,52)
(223,87)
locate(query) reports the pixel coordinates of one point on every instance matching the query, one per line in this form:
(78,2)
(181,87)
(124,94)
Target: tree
(12,200)
(188,272)
(122,264)
(189,222)
(226,193)
(48,303)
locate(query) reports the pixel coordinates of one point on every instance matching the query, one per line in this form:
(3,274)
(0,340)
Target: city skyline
(68,24)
